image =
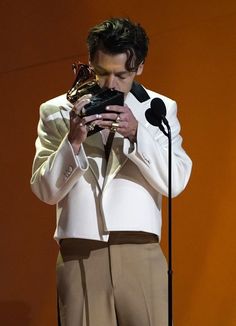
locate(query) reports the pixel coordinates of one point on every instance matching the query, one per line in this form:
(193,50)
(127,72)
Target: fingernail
(108,108)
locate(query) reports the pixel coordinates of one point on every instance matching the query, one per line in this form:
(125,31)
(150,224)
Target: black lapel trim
(139,92)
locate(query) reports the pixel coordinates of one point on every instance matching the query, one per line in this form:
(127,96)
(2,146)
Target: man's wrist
(133,136)
(75,146)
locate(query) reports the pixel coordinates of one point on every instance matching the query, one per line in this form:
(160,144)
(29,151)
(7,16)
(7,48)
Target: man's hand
(79,126)
(121,119)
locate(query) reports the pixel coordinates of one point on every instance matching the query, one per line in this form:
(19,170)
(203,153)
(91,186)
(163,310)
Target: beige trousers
(112,284)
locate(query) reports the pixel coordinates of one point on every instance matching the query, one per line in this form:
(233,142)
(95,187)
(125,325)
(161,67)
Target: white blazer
(93,196)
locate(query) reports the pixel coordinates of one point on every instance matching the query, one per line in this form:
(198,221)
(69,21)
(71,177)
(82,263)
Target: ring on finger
(114,126)
(90,126)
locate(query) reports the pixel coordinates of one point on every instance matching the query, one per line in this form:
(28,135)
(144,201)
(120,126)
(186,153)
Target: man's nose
(110,81)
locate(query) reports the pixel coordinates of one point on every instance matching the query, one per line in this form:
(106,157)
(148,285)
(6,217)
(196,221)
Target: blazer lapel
(94,150)
(116,159)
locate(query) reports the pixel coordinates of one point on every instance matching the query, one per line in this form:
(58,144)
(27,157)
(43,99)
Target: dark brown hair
(119,35)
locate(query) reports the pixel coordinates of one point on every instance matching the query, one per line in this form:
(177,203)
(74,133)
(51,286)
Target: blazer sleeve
(55,168)
(150,154)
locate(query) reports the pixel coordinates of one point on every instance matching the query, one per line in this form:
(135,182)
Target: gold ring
(114,126)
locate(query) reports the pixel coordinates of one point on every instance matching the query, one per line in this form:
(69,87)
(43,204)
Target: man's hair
(119,35)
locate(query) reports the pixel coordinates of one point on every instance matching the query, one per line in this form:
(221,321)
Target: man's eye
(121,77)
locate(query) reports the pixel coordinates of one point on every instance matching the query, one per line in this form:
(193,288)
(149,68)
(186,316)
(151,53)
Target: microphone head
(151,118)
(157,112)
(158,107)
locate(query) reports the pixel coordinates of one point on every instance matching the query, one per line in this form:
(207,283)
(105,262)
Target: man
(110,269)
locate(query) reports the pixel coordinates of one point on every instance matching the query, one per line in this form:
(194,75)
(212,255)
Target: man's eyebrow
(122,72)
(97,67)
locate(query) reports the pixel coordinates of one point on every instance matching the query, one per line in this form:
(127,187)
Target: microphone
(156,114)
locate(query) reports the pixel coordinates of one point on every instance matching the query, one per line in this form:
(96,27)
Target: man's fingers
(81,102)
(117,108)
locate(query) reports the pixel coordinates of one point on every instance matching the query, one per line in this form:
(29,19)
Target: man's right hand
(79,126)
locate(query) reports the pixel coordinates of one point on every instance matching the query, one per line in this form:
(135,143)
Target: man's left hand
(120,119)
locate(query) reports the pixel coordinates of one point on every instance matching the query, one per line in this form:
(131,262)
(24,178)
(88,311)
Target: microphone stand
(170,272)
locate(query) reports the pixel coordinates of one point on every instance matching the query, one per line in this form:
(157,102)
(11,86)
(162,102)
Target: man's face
(112,73)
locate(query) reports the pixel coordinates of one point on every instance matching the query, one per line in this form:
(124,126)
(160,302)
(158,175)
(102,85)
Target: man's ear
(140,69)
